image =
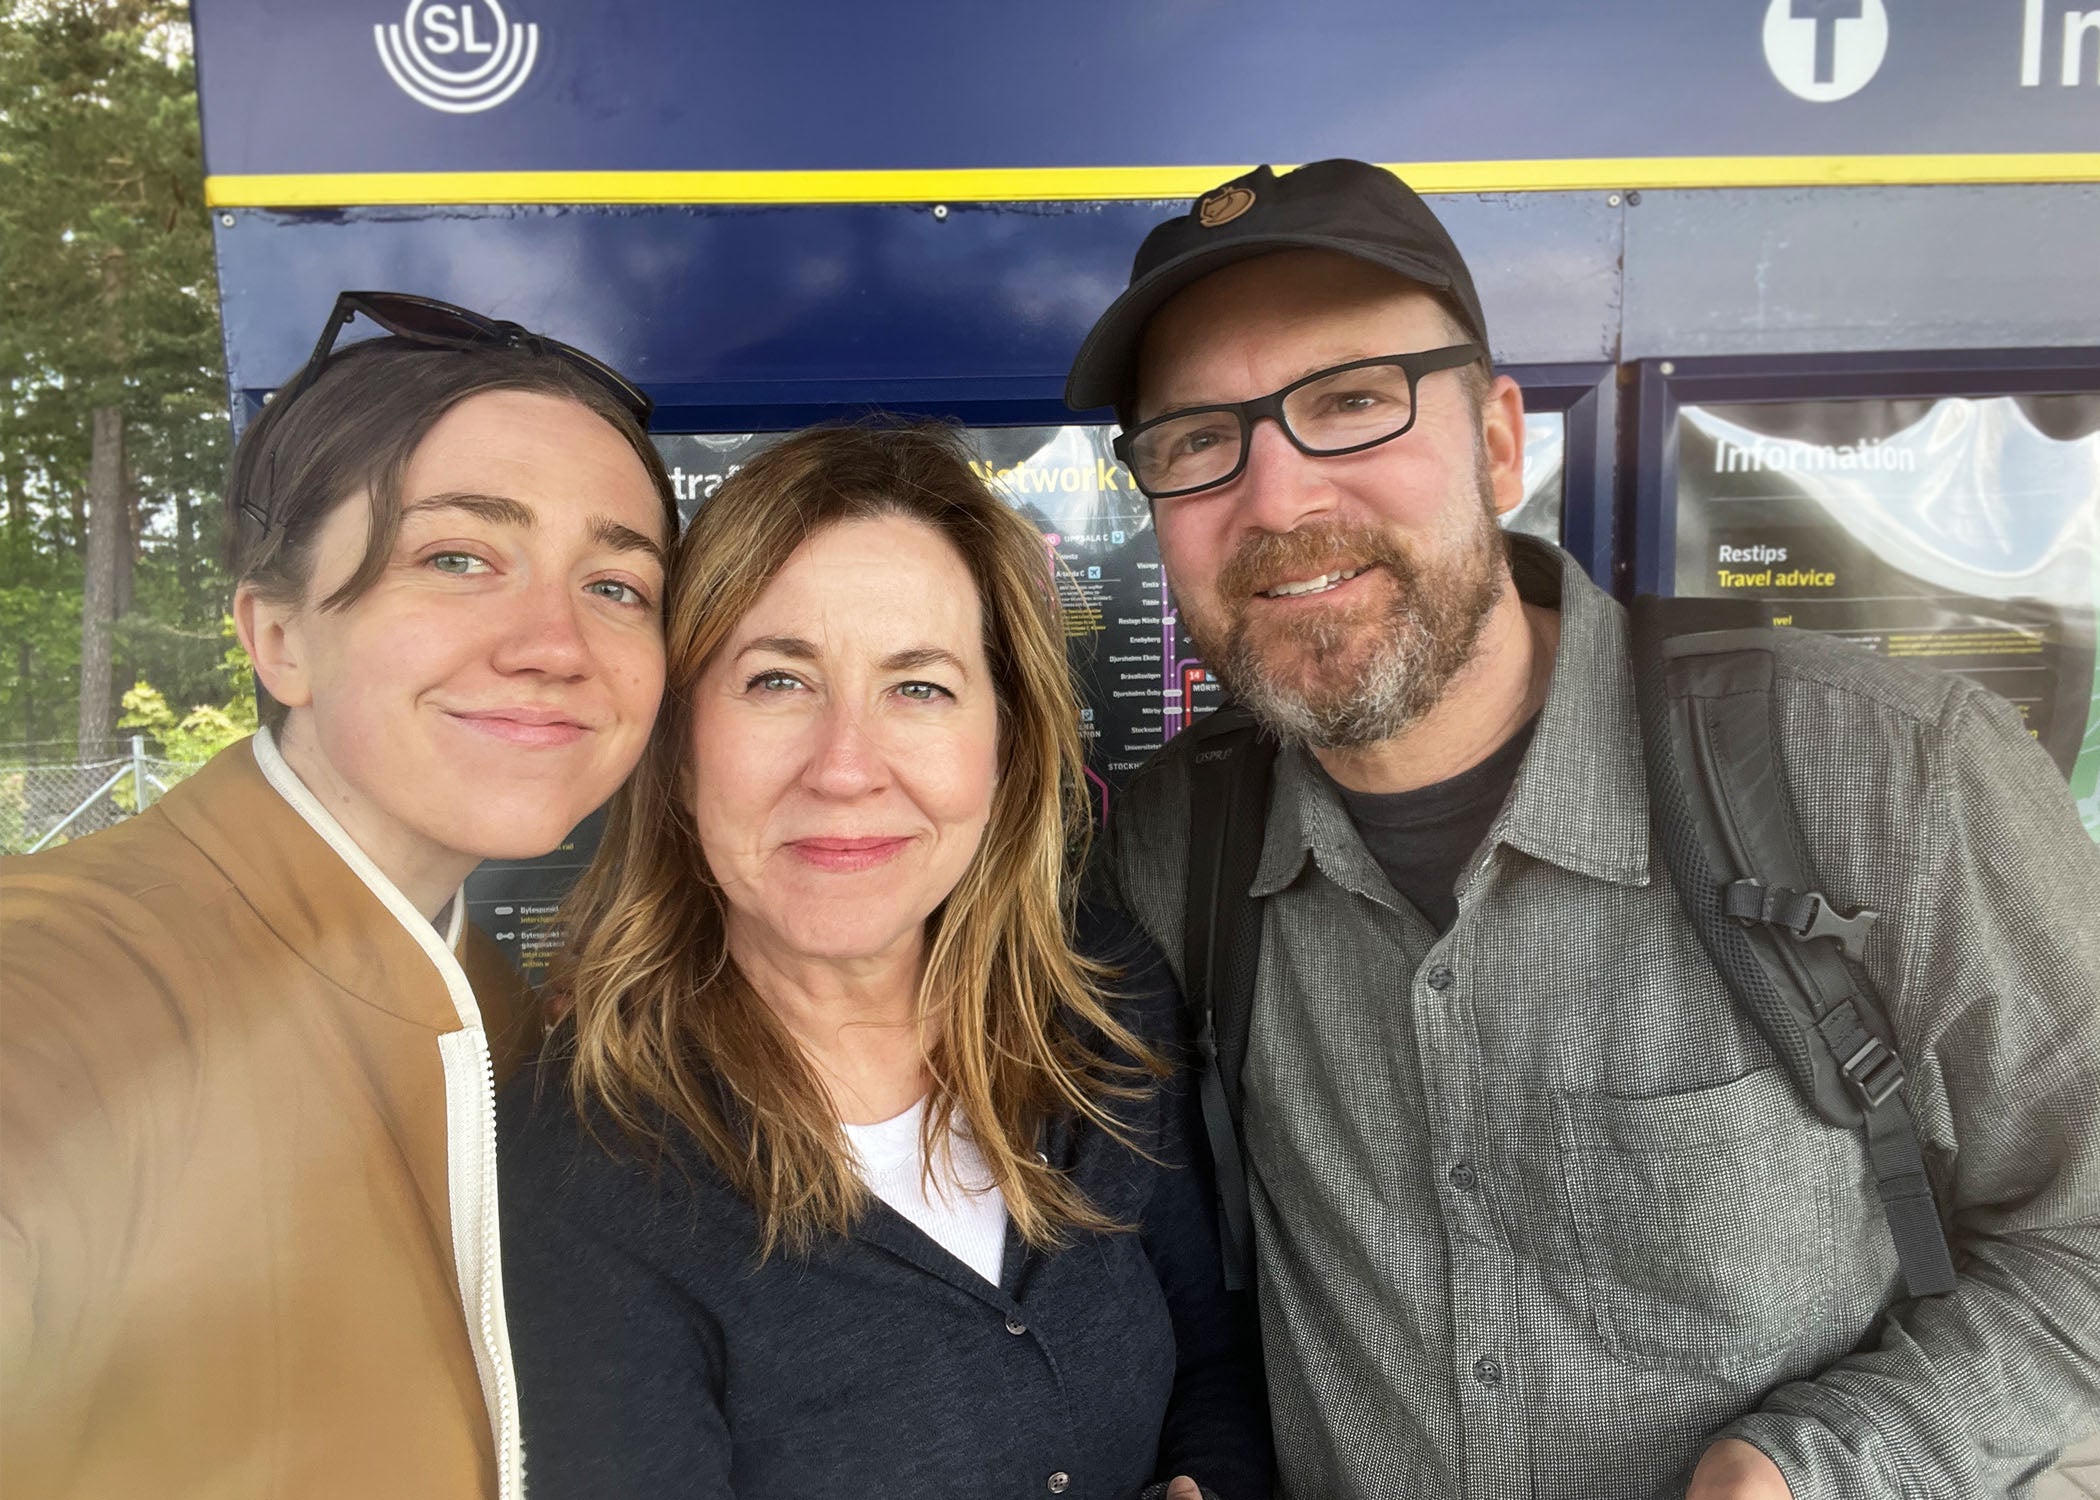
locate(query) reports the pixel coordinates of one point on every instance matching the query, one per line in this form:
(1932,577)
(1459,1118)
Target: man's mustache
(1269,558)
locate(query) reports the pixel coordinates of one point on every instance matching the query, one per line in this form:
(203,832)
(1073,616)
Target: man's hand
(1735,1470)
(1184,1488)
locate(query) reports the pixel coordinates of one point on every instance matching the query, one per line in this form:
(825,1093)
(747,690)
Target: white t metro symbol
(1822,50)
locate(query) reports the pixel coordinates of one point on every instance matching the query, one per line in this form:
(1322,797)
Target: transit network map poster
(1959,533)
(1140,679)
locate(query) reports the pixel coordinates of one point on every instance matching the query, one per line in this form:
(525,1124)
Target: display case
(1943,510)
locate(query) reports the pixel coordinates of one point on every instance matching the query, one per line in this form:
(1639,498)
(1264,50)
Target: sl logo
(1822,50)
(494,56)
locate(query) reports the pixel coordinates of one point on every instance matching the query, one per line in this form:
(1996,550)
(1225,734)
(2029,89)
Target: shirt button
(1464,1178)
(1016,1327)
(1058,1483)
(1440,978)
(1487,1370)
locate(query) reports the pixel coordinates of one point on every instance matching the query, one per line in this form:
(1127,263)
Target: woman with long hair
(848,1173)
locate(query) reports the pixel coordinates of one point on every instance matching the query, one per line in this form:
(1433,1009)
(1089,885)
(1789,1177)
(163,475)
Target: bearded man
(1535,1211)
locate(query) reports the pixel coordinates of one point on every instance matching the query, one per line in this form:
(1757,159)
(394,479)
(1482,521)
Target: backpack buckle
(1875,1072)
(1851,932)
(1804,915)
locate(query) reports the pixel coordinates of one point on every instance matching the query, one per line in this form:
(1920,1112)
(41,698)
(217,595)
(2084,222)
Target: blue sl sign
(520,101)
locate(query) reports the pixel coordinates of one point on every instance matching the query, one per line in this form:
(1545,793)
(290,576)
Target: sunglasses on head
(443,325)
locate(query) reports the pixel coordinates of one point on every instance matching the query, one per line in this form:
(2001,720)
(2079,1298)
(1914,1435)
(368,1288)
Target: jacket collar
(294,864)
(1306,817)
(885,1229)
(1581,796)
(882,1227)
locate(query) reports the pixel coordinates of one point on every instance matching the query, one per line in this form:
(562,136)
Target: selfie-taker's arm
(1999,1015)
(66,1216)
(96,1099)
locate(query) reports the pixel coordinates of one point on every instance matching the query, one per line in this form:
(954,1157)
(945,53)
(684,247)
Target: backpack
(1703,678)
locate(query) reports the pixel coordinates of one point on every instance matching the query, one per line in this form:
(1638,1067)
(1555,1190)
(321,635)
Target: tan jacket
(248,1239)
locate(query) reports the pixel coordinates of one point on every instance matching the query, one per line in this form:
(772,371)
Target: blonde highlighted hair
(667,1035)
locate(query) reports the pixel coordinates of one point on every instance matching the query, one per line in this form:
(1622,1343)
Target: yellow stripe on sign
(1053,184)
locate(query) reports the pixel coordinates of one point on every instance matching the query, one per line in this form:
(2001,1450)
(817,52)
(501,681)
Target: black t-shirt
(1423,838)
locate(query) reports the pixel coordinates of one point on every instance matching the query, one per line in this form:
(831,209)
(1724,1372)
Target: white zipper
(470,1108)
(470,1126)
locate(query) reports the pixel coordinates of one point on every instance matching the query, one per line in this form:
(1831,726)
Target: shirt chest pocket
(1703,1221)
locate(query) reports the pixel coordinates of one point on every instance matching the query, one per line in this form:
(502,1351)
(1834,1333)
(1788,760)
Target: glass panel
(1960,533)
(1545,478)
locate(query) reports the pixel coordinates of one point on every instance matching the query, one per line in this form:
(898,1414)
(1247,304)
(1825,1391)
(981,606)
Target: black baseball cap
(1349,206)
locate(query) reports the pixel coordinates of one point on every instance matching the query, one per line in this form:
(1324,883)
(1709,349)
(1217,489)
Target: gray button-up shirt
(1536,1211)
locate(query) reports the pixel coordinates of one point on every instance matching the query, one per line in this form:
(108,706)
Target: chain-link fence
(45,802)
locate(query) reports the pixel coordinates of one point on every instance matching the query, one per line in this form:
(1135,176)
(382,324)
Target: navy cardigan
(656,1357)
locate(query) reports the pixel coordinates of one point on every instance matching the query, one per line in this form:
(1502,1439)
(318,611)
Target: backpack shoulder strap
(1230,773)
(1725,824)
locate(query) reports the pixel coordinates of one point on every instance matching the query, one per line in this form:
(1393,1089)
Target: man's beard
(1338,678)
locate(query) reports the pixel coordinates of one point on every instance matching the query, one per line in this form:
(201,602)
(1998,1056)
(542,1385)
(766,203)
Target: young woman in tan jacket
(248,1240)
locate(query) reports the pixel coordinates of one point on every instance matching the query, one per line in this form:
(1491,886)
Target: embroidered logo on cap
(1224,205)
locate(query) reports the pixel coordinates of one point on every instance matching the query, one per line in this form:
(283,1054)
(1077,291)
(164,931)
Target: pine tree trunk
(105,538)
(11,477)
(17,552)
(128,547)
(185,554)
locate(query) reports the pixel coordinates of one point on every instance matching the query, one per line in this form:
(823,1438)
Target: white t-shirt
(965,1213)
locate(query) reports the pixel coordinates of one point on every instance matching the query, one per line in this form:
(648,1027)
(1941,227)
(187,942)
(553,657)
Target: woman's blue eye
(618,592)
(459,564)
(923,692)
(772,682)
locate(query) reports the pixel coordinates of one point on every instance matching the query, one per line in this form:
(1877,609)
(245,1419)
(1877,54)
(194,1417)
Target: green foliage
(198,735)
(207,728)
(40,630)
(107,281)
(194,738)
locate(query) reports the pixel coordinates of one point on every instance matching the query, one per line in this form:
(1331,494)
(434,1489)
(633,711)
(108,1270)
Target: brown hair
(356,427)
(667,1033)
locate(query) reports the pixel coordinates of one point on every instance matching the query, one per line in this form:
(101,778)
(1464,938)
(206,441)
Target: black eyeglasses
(443,325)
(1343,409)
